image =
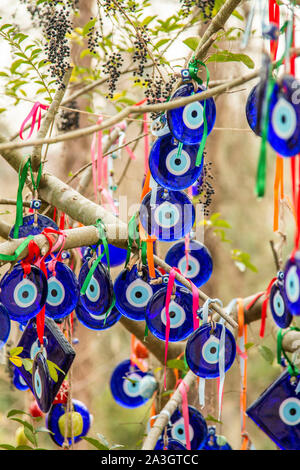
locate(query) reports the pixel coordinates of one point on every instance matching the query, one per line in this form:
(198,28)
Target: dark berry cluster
(57,49)
(206,7)
(205,188)
(157,90)
(94,37)
(112,68)
(68,120)
(53,18)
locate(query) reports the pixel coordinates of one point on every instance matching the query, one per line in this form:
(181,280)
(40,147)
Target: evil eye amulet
(187,122)
(125,385)
(284,124)
(99,293)
(117,255)
(292,284)
(171,217)
(254,107)
(41,382)
(23,297)
(173,444)
(180,312)
(203,347)
(200,264)
(4,325)
(63,291)
(277,412)
(173,169)
(133,292)
(18,381)
(56,421)
(197,428)
(278,307)
(29,227)
(96,321)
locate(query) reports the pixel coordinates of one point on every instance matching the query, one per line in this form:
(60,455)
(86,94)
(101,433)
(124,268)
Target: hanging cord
(193,68)
(292,369)
(242,336)
(23,172)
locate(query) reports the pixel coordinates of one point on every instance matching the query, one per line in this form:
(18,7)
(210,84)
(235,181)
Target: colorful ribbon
(36,109)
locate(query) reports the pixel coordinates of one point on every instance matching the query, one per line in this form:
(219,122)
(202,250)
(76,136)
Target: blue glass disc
(186,123)
(133,293)
(197,428)
(41,382)
(284,115)
(292,284)
(4,325)
(63,291)
(172,170)
(171,218)
(23,297)
(94,321)
(18,381)
(284,124)
(57,411)
(117,256)
(180,311)
(99,294)
(28,227)
(124,391)
(254,108)
(200,264)
(277,412)
(202,351)
(279,310)
(173,444)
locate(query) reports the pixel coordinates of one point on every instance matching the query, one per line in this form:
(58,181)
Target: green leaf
(24,448)
(192,42)
(16,412)
(90,24)
(53,370)
(16,361)
(27,364)
(266,353)
(19,37)
(16,351)
(30,435)
(16,64)
(95,443)
(249,345)
(161,42)
(25,423)
(227,56)
(211,418)
(102,440)
(7,447)
(43,429)
(176,364)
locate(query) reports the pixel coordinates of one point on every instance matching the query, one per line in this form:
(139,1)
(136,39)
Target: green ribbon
(110,308)
(193,70)
(102,235)
(18,250)
(144,252)
(262,160)
(133,235)
(292,369)
(23,172)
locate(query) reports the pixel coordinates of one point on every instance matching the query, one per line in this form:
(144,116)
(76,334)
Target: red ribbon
(274,17)
(36,109)
(266,293)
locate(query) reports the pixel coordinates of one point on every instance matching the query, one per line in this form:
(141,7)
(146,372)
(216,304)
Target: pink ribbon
(36,109)
(195,294)
(109,200)
(97,162)
(186,251)
(146,143)
(183,389)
